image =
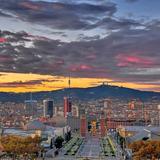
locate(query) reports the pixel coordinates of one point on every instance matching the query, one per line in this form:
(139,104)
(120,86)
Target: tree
(58,142)
(17,146)
(121,142)
(145,149)
(67,136)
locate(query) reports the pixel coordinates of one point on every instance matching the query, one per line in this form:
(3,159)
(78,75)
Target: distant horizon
(76,87)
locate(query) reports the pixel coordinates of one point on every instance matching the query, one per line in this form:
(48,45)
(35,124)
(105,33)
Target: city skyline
(115,41)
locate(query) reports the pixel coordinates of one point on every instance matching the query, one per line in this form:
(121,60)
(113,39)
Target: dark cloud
(113,24)
(129,50)
(26,83)
(131,1)
(3,14)
(61,15)
(155,89)
(130,55)
(20,83)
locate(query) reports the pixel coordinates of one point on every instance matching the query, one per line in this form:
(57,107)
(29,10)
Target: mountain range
(83,94)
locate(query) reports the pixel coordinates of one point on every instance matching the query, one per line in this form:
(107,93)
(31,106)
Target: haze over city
(115,41)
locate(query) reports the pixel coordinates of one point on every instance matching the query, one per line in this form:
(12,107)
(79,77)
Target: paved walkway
(90,148)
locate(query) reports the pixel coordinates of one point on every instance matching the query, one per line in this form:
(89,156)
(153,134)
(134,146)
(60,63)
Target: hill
(84,94)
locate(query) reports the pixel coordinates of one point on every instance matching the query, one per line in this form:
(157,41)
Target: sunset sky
(42,42)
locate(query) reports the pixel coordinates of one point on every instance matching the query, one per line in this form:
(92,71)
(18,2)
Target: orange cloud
(30,6)
(19,82)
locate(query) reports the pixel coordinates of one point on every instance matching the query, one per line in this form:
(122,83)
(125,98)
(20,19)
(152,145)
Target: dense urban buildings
(89,123)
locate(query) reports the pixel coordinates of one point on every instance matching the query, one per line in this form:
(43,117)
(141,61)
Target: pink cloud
(30,5)
(81,67)
(5,58)
(2,40)
(129,60)
(91,57)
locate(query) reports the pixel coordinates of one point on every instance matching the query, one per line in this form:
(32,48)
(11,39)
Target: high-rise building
(30,107)
(48,108)
(83,125)
(67,106)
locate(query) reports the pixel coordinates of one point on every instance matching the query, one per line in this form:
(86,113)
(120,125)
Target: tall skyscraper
(83,125)
(67,106)
(67,101)
(31,107)
(48,108)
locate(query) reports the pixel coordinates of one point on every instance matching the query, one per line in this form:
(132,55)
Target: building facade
(67,106)
(48,108)
(83,126)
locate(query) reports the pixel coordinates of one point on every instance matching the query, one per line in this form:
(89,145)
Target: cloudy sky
(94,41)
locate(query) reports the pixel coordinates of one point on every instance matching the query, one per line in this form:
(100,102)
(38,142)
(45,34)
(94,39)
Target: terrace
(107,147)
(90,147)
(72,146)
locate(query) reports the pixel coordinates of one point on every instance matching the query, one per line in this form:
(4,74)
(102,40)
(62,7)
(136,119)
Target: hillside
(91,93)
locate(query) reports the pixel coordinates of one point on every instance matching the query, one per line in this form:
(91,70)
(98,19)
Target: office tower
(67,101)
(83,126)
(30,106)
(67,106)
(48,108)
